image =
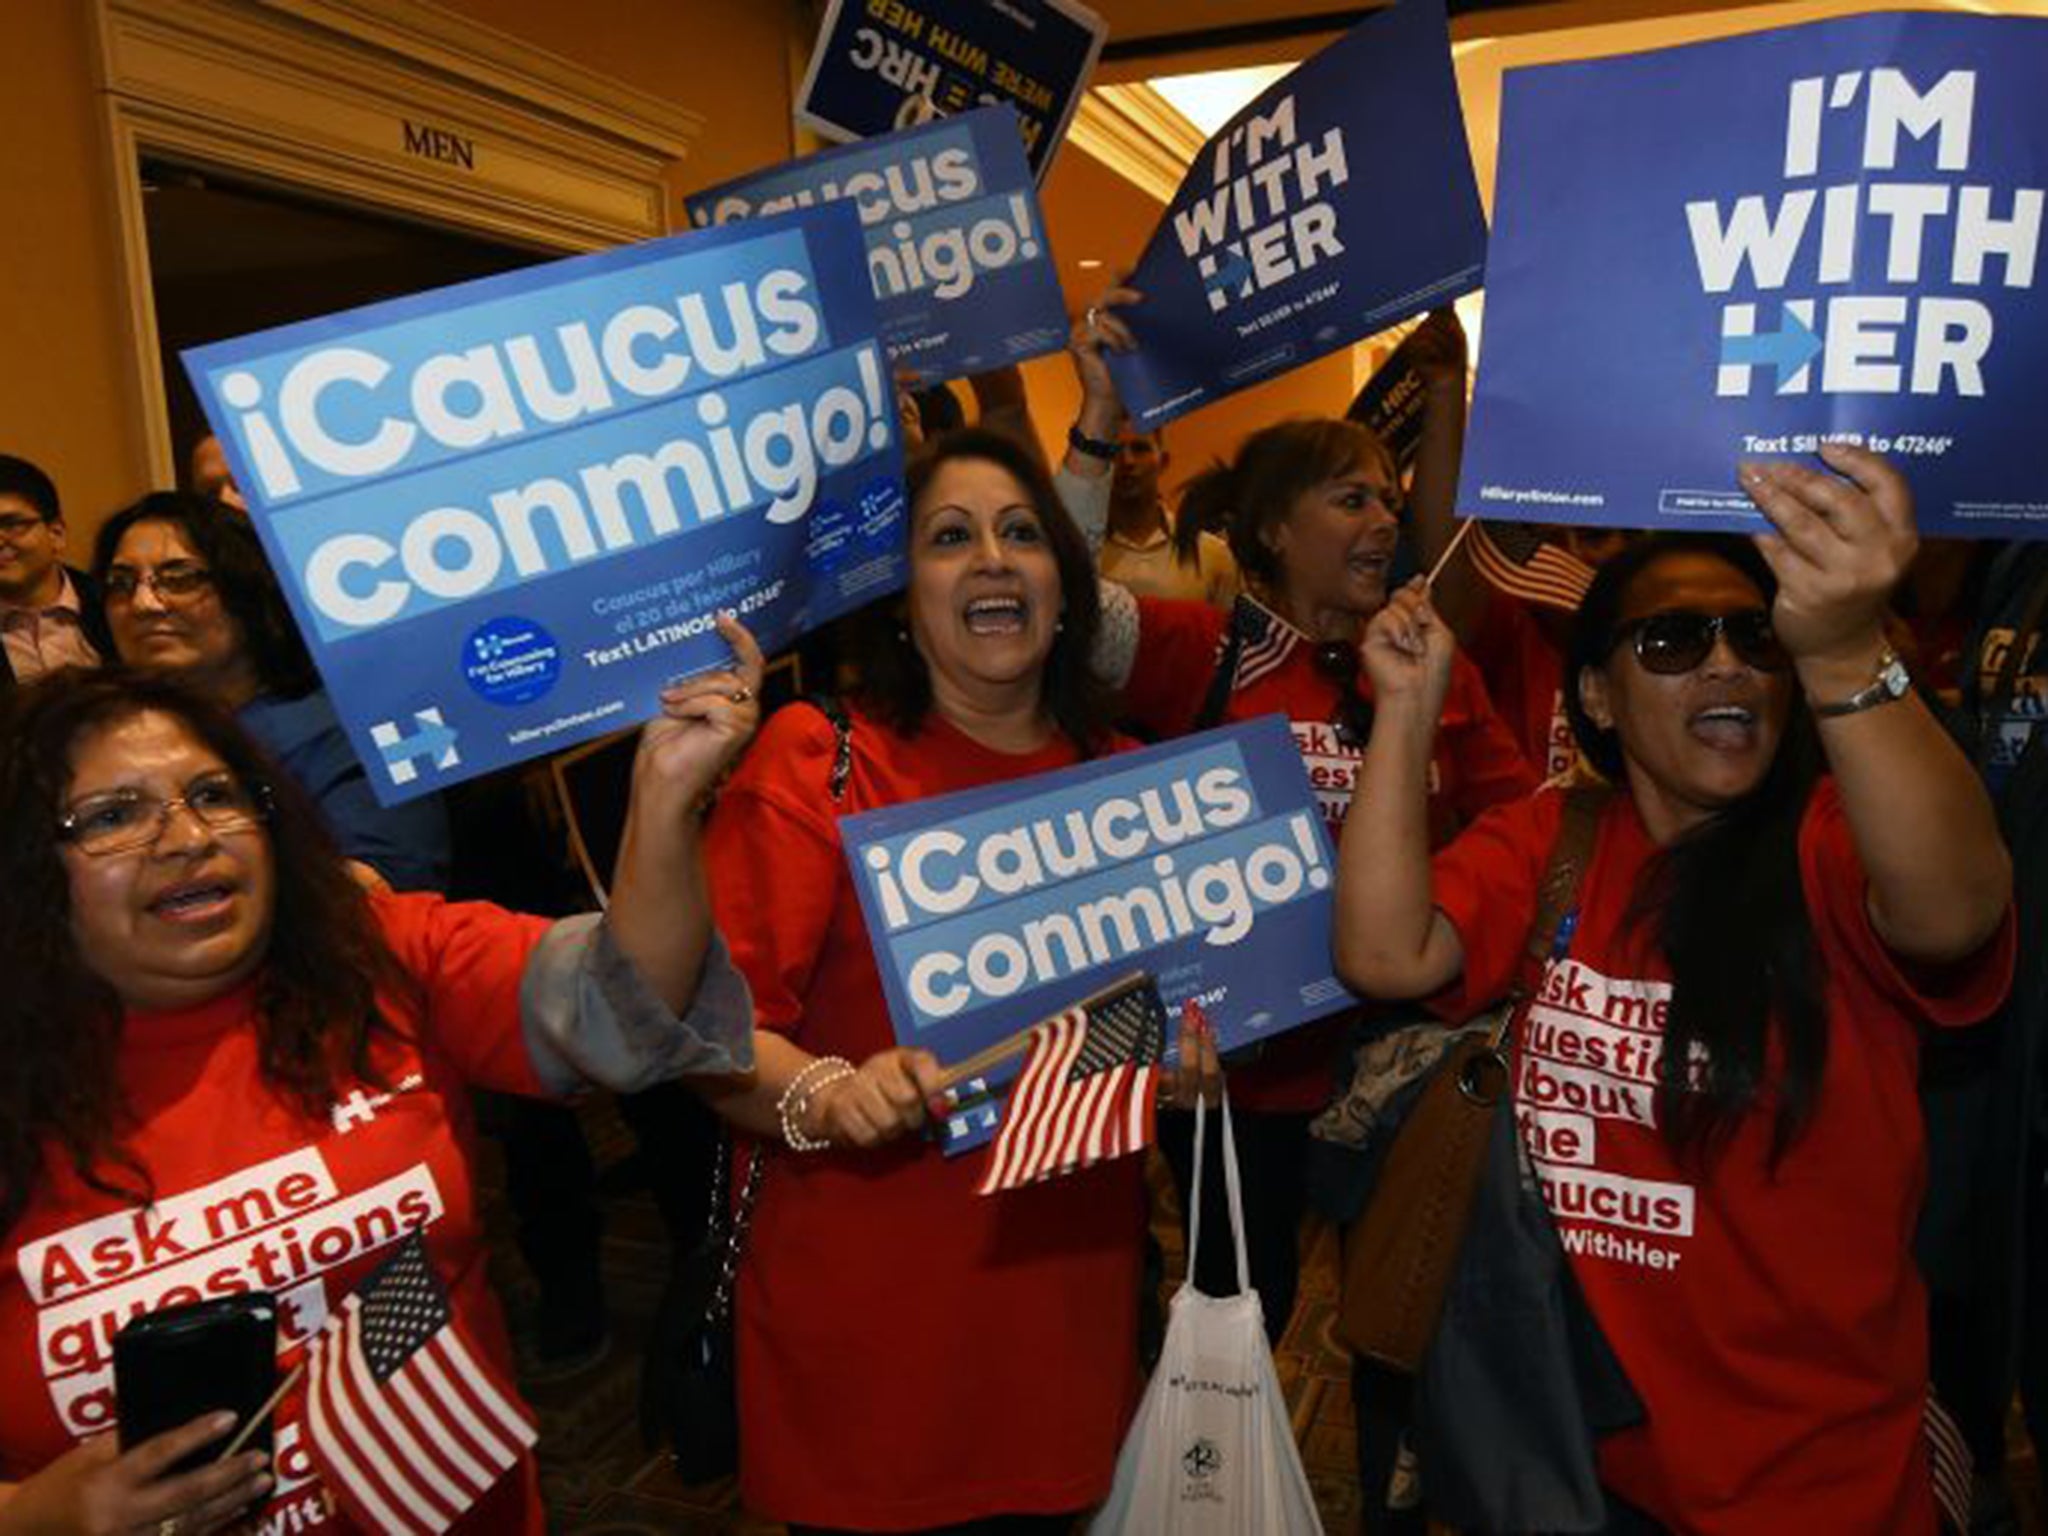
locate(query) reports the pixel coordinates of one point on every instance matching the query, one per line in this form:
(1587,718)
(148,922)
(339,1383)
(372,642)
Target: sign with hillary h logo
(1204,861)
(1750,247)
(505,513)
(1337,203)
(955,243)
(881,65)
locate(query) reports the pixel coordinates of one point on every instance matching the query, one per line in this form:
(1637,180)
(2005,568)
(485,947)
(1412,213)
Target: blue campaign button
(510,660)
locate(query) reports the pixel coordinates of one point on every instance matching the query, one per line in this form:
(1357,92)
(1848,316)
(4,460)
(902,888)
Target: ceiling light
(1211,99)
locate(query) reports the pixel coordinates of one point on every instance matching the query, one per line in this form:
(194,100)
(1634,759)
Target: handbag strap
(1557,894)
(1232,1188)
(833,708)
(735,1222)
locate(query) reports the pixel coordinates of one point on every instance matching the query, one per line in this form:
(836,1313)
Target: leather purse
(1399,1255)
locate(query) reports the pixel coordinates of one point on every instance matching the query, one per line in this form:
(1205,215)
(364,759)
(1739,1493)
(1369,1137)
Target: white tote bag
(1211,1452)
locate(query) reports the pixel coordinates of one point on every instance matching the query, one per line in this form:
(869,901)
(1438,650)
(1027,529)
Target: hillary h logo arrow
(430,740)
(1786,350)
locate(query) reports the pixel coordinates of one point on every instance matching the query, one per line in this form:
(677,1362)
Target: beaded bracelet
(818,1073)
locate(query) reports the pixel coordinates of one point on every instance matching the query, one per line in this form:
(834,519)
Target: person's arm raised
(1438,353)
(1940,877)
(1390,940)
(660,912)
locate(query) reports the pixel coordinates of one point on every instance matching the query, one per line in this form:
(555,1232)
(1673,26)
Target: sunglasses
(1336,661)
(1681,640)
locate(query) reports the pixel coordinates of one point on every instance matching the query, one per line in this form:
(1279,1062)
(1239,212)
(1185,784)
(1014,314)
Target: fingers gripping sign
(1198,1073)
(705,720)
(1840,543)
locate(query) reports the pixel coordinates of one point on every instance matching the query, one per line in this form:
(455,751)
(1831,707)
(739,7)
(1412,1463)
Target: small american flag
(1268,640)
(1085,1094)
(408,1426)
(1518,559)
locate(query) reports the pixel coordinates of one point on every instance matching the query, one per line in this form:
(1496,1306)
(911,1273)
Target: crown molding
(1139,134)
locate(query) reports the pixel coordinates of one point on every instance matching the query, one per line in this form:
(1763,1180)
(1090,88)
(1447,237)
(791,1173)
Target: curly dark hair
(241,575)
(60,1022)
(1725,902)
(1274,468)
(893,679)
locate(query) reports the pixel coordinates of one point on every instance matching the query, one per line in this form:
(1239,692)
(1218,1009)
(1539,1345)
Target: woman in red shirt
(1716,1080)
(913,1356)
(1315,509)
(230,1069)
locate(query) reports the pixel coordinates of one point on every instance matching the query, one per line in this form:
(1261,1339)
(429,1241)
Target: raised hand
(1407,652)
(1101,327)
(1437,350)
(705,720)
(1840,547)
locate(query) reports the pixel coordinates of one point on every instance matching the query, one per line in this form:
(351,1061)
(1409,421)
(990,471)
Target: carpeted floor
(600,1481)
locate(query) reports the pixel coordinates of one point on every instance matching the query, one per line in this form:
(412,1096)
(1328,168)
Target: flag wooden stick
(1014,1045)
(1464,530)
(249,1425)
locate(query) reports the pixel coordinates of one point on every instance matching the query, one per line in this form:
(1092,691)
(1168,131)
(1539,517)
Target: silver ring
(168,1526)
(741,694)
(1089,318)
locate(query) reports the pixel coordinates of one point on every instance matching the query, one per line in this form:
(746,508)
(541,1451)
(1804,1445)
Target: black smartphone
(172,1365)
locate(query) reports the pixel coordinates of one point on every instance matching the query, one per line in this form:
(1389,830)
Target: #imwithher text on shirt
(1824,233)
(506,511)
(955,244)
(1203,861)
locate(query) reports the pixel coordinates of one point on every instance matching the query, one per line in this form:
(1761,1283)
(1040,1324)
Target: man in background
(49,614)
(1141,551)
(211,475)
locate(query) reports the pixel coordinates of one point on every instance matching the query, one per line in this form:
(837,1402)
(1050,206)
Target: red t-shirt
(250,1194)
(1771,1319)
(1523,663)
(1476,764)
(911,1354)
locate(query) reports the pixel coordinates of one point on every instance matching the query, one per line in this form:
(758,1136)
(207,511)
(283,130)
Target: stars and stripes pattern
(1086,1092)
(408,1426)
(1269,641)
(1518,559)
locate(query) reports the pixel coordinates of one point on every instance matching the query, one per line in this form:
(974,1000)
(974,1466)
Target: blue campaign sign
(956,245)
(1743,248)
(1204,861)
(507,511)
(1336,204)
(880,65)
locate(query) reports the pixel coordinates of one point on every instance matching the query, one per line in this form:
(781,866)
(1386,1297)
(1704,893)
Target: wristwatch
(1892,682)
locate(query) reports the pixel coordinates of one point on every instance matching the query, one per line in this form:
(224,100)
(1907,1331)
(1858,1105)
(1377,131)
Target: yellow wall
(65,388)
(65,396)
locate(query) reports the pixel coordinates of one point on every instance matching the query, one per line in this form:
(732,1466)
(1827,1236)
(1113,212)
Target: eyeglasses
(170,583)
(1336,661)
(1681,640)
(17,527)
(125,819)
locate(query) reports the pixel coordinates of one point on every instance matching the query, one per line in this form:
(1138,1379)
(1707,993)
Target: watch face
(1895,680)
